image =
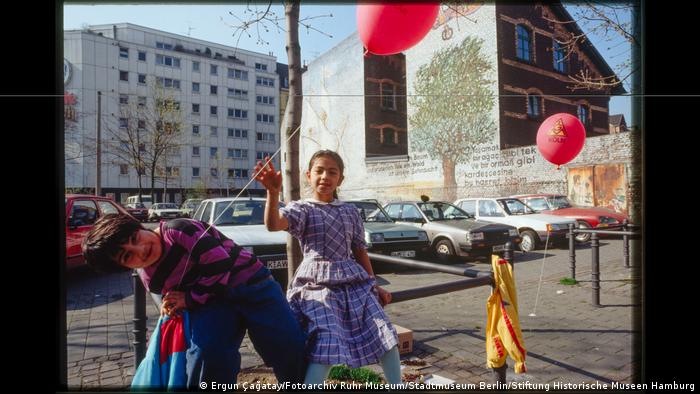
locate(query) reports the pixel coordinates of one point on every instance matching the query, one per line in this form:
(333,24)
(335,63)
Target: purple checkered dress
(331,294)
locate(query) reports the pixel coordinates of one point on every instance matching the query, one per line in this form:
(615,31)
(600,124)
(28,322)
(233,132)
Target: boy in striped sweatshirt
(225,288)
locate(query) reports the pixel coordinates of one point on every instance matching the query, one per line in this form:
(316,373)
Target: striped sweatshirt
(201,263)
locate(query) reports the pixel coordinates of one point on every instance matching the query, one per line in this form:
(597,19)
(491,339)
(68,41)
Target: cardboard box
(405,339)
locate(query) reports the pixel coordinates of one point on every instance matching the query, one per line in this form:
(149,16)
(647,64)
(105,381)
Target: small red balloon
(389,28)
(560,138)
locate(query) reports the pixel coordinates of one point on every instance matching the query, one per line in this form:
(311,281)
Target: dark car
(81,213)
(137,210)
(384,236)
(452,231)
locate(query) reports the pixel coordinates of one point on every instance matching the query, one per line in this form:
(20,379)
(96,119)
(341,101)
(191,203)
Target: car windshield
(514,206)
(240,213)
(442,211)
(559,202)
(166,206)
(538,203)
(371,212)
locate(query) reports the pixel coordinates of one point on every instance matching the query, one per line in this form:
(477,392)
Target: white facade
(99,56)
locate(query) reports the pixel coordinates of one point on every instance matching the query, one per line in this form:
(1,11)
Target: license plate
(404,253)
(499,248)
(276,264)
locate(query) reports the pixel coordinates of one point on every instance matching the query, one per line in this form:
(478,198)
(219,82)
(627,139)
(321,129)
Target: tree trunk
(291,187)
(449,184)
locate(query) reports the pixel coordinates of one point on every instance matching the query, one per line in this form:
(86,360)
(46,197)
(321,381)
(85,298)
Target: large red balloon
(389,28)
(561,138)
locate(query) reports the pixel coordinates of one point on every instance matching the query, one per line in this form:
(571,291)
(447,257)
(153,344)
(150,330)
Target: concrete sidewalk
(568,340)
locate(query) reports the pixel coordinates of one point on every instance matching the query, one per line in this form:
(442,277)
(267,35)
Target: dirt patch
(257,375)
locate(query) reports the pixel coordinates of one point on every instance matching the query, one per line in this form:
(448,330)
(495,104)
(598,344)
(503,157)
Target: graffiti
(491,167)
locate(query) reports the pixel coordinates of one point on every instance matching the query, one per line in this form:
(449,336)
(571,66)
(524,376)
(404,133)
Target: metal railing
(626,234)
(476,279)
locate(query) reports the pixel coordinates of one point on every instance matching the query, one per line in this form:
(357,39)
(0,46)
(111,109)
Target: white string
(269,160)
(537,296)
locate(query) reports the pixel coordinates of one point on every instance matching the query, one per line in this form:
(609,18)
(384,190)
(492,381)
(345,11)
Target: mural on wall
(580,186)
(449,12)
(453,104)
(600,186)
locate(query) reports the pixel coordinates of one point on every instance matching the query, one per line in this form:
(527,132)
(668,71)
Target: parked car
(137,210)
(384,236)
(451,231)
(190,206)
(81,213)
(535,228)
(586,217)
(243,222)
(164,210)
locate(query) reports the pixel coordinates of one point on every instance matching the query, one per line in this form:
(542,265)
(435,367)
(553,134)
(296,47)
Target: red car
(82,211)
(587,217)
(138,211)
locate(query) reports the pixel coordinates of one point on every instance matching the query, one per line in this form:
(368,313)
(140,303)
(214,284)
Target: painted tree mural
(454,100)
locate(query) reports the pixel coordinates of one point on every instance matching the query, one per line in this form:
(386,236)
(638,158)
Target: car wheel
(583,238)
(529,241)
(444,250)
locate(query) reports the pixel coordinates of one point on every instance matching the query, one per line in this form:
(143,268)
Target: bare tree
(612,23)
(261,20)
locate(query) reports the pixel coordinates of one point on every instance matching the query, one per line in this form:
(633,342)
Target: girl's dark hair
(105,239)
(334,156)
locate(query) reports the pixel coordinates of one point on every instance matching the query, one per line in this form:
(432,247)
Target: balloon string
(269,160)
(537,296)
(367,53)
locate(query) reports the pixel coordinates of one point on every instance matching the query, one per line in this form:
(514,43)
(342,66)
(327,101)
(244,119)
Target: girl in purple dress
(334,293)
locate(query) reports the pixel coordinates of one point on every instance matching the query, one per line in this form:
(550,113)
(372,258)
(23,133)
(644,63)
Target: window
(534,106)
(124,76)
(213,110)
(389,136)
(195,87)
(123,123)
(83,213)
(237,74)
(123,169)
(261,155)
(213,89)
(410,213)
(195,129)
(142,56)
(237,154)
(162,45)
(265,118)
(195,151)
(123,53)
(583,114)
(123,99)
(195,171)
(237,113)
(522,43)
(237,173)
(142,79)
(393,210)
(213,70)
(214,172)
(195,108)
(213,151)
(262,81)
(559,55)
(469,207)
(261,67)
(141,124)
(168,83)
(142,101)
(169,61)
(238,133)
(213,131)
(238,93)
(489,208)
(142,147)
(195,66)
(265,100)
(231,172)
(266,137)
(388,93)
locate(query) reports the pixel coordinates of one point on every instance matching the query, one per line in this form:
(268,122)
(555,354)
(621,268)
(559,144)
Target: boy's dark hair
(334,156)
(104,240)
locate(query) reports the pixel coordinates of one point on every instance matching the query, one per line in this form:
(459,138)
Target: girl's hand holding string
(271,179)
(173,302)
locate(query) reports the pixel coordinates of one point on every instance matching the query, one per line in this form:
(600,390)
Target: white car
(535,228)
(164,210)
(243,222)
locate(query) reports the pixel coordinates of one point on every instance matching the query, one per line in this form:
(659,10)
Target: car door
(107,208)
(82,215)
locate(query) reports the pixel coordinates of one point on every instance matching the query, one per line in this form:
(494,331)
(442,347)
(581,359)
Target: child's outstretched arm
(272,180)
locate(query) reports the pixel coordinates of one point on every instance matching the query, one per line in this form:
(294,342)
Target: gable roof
(616,120)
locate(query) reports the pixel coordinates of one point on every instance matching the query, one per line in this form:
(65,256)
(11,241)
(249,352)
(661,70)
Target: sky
(215,23)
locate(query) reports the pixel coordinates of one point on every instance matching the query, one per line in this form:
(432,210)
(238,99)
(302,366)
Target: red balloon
(561,138)
(389,28)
